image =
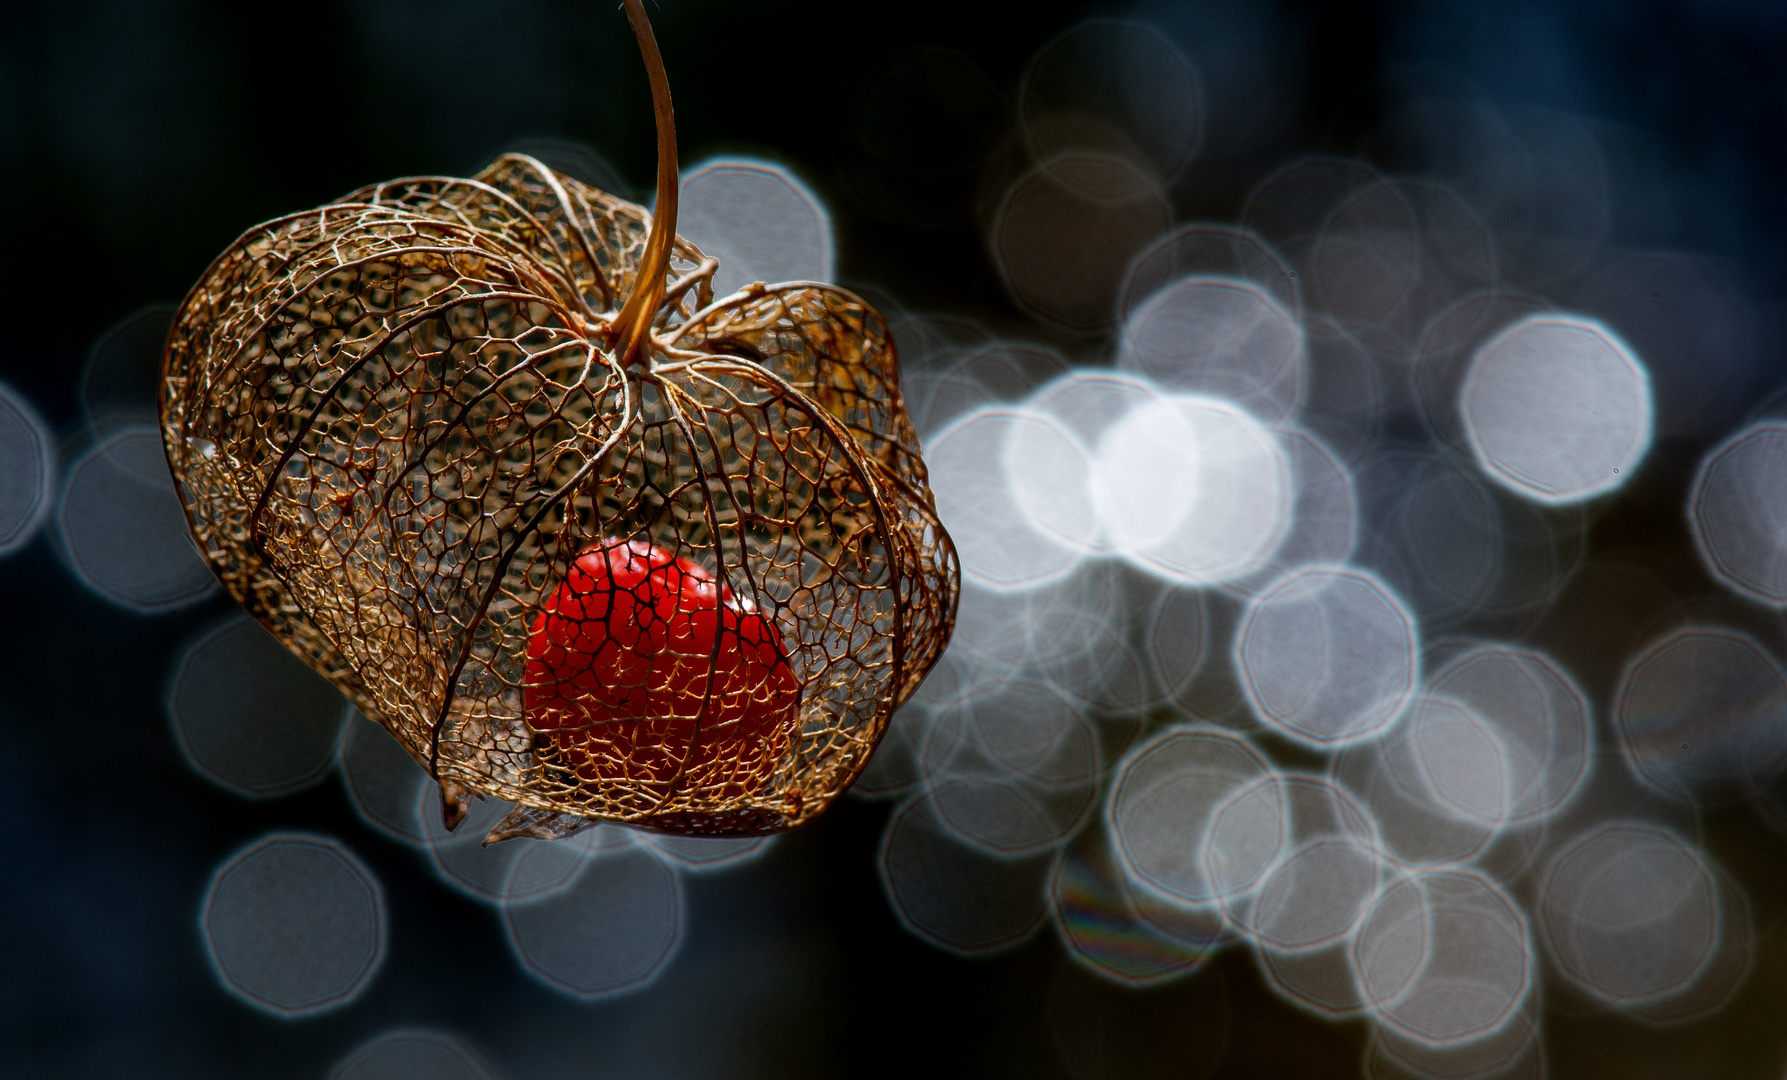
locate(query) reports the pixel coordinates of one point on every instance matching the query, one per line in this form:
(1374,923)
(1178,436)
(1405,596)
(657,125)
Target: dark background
(138,138)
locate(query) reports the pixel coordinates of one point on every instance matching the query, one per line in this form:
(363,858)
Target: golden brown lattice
(398,420)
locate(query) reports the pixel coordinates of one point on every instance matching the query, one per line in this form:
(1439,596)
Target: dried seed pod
(487,454)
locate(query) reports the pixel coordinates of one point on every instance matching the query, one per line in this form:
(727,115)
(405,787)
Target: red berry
(651,676)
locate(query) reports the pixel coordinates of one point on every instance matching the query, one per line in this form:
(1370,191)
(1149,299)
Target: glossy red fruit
(644,668)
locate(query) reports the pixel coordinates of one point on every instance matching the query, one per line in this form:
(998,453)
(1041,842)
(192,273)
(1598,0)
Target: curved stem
(632,327)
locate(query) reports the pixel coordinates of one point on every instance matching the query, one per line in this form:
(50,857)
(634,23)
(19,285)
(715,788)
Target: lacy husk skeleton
(397,419)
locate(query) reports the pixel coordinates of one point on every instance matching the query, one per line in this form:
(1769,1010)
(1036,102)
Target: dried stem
(632,327)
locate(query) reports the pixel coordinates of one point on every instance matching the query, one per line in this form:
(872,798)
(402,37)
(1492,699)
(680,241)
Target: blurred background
(1362,425)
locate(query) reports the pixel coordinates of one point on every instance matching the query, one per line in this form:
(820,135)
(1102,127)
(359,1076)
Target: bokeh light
(1736,508)
(1302,860)
(1455,760)
(1109,623)
(1437,783)
(1164,797)
(1050,476)
(1221,337)
(1096,920)
(1514,1051)
(1328,655)
(1323,524)
(1702,711)
(413,1054)
(27,470)
(1066,230)
(1631,913)
(1013,773)
(121,382)
(1319,982)
(1287,207)
(1539,716)
(1090,401)
(1209,250)
(1557,409)
(954,896)
(611,930)
(123,530)
(1115,86)
(1317,895)
(250,716)
(759,220)
(1193,489)
(1466,555)
(1444,958)
(294,924)
(1001,543)
(1391,253)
